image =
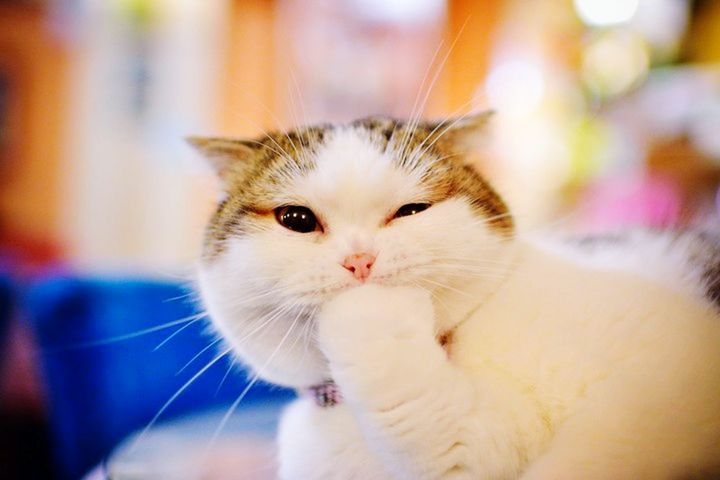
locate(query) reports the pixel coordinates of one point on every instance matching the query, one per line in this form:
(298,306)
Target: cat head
(317,210)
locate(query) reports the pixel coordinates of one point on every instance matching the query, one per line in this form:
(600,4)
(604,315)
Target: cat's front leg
(414,408)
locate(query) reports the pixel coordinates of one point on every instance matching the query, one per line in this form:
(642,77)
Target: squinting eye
(297,219)
(411,209)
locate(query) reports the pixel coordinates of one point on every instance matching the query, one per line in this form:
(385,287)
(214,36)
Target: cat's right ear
(225,155)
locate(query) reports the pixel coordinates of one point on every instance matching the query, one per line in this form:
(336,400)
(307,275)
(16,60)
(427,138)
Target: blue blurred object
(99,391)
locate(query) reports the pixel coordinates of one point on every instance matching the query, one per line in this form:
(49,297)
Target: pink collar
(326,394)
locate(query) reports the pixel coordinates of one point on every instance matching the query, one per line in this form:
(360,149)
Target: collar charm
(326,394)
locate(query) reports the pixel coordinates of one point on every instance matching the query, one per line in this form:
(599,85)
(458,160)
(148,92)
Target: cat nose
(359,264)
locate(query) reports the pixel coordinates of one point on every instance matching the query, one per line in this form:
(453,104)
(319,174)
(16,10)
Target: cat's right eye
(411,209)
(297,218)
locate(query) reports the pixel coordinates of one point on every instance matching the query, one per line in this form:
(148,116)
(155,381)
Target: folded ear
(459,135)
(225,155)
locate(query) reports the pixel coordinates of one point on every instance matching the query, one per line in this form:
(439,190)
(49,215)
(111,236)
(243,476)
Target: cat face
(319,210)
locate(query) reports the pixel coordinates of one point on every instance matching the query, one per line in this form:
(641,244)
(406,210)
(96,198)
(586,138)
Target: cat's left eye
(411,209)
(297,218)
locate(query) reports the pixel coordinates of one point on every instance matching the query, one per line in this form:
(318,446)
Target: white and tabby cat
(367,266)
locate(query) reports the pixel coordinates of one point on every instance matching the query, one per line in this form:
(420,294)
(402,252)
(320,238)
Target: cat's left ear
(460,135)
(227,156)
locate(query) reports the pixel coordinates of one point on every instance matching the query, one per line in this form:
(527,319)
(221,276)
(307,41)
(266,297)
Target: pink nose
(359,264)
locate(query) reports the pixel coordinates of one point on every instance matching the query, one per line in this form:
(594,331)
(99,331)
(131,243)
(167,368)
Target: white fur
(558,369)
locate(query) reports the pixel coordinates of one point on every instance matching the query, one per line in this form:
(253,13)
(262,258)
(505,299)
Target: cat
(369,267)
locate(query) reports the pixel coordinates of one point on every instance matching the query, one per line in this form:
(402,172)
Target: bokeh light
(613,62)
(398,11)
(606,12)
(515,87)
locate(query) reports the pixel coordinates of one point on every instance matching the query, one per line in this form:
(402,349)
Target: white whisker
(177,332)
(249,386)
(127,336)
(179,392)
(197,355)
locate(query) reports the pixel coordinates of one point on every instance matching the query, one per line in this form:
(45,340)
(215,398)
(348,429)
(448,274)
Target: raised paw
(374,314)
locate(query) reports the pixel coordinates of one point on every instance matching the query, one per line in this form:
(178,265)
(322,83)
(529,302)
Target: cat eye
(411,209)
(296,218)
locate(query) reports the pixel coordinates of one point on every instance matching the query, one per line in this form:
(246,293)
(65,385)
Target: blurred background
(608,116)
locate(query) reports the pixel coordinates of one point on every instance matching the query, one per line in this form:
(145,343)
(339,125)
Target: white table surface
(184,449)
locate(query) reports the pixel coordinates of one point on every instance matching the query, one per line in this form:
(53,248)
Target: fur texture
(590,362)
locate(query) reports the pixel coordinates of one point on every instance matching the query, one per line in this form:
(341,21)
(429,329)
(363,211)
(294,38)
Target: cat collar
(326,394)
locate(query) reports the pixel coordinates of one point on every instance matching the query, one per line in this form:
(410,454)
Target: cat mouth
(386,279)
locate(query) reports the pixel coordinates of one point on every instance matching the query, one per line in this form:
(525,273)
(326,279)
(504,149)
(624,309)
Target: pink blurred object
(20,387)
(643,201)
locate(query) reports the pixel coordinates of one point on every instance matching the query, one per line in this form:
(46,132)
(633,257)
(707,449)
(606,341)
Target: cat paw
(373,313)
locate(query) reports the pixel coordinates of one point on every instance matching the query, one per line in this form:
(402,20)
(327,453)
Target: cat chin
(298,371)
(276,352)
(295,364)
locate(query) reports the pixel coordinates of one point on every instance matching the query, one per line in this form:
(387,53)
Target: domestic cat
(369,267)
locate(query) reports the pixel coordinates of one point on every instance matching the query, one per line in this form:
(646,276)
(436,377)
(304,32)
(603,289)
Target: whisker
(120,338)
(415,112)
(247,388)
(227,374)
(432,294)
(264,132)
(179,392)
(197,355)
(176,332)
(179,297)
(446,287)
(437,73)
(302,154)
(266,320)
(283,154)
(469,265)
(254,298)
(420,151)
(307,333)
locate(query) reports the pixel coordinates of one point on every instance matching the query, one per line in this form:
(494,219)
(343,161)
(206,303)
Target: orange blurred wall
(249,69)
(36,63)
(471,25)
